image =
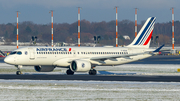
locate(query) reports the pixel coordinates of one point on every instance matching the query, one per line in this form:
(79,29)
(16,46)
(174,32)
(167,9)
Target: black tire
(92,72)
(18,73)
(69,72)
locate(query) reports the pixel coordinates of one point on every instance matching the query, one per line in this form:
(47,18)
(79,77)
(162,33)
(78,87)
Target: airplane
(84,59)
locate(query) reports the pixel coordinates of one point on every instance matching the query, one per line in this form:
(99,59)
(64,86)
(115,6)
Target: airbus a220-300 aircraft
(84,59)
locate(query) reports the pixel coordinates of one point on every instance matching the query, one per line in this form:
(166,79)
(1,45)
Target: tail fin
(143,38)
(1,53)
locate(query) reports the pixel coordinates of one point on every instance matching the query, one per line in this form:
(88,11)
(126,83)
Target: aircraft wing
(102,58)
(127,56)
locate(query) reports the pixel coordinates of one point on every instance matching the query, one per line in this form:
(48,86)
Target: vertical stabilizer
(143,38)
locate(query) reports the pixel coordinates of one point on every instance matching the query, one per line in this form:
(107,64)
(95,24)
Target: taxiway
(141,78)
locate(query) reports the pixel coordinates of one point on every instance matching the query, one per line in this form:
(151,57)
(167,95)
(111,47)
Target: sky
(66,11)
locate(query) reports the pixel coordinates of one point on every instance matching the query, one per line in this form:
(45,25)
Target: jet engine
(80,66)
(44,68)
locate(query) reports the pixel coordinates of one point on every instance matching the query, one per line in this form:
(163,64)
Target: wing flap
(114,58)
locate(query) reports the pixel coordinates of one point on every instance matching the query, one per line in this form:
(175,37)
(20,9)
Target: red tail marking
(149,37)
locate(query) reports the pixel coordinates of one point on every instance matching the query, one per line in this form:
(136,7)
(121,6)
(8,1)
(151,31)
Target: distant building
(126,37)
(2,39)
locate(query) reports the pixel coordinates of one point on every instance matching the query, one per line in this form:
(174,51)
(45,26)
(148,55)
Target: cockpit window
(16,52)
(19,52)
(12,53)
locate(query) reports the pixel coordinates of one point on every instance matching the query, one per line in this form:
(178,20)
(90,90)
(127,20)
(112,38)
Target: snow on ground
(88,90)
(143,69)
(153,68)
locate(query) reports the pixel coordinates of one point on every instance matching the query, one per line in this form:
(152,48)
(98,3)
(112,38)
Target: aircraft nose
(9,60)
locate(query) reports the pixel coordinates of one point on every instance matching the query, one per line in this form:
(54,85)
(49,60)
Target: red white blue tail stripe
(147,33)
(144,36)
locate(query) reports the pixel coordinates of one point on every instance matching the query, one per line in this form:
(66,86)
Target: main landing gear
(69,72)
(18,70)
(92,72)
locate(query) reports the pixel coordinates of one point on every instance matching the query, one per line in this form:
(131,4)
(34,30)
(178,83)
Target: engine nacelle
(44,68)
(80,66)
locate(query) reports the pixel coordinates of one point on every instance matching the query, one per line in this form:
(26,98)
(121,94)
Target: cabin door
(31,53)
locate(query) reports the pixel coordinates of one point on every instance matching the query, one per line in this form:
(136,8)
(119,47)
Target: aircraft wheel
(92,72)
(69,72)
(18,73)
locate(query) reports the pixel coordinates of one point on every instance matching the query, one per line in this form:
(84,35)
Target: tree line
(64,32)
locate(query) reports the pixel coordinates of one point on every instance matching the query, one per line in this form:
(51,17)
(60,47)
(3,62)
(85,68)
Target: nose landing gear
(18,69)
(18,73)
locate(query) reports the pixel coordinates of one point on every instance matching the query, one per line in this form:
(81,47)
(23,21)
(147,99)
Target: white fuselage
(62,56)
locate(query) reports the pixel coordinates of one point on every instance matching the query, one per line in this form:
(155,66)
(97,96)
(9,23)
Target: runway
(140,78)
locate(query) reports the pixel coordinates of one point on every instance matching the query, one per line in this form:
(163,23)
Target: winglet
(158,49)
